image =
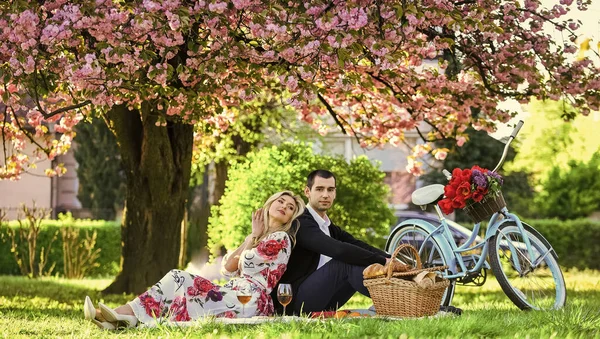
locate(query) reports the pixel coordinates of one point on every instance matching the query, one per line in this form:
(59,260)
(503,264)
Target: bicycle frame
(444,231)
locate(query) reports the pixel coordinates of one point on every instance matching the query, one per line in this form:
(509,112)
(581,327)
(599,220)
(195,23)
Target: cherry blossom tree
(152,69)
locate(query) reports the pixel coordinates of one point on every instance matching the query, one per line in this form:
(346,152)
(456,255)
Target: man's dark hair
(325,174)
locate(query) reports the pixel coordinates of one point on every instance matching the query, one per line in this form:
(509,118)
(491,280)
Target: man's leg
(330,286)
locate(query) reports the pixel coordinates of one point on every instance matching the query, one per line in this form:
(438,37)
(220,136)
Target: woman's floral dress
(181,296)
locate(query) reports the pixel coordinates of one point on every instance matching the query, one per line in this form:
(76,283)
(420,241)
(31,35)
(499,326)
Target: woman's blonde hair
(291,227)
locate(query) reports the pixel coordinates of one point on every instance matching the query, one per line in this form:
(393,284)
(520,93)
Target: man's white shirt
(324,226)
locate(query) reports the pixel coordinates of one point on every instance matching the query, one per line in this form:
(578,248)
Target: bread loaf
(397,266)
(373,270)
(425,279)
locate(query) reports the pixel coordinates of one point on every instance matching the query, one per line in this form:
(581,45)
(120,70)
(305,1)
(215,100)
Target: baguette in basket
(378,270)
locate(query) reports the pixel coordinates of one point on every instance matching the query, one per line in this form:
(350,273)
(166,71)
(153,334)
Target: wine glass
(284,295)
(244,295)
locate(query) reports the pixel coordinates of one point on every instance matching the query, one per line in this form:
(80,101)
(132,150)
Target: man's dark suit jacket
(311,242)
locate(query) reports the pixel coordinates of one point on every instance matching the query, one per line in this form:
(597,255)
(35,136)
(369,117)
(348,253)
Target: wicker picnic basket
(395,295)
(479,211)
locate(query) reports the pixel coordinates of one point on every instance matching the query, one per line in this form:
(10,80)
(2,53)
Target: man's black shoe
(451,309)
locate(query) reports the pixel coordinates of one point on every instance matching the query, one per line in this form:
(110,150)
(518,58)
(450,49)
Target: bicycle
(523,261)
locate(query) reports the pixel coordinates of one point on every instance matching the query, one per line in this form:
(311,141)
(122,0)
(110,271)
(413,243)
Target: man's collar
(322,222)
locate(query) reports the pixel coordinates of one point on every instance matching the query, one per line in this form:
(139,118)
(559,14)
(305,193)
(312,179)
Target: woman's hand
(258,223)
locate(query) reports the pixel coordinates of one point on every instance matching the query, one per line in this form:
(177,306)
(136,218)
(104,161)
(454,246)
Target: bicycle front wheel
(430,253)
(537,285)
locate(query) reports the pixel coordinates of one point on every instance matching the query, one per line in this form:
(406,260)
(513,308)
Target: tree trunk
(204,197)
(199,212)
(157,162)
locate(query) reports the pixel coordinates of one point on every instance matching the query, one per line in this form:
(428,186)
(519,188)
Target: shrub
(360,207)
(573,192)
(108,240)
(30,254)
(577,242)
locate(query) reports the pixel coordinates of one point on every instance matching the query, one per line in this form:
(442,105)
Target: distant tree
(100,171)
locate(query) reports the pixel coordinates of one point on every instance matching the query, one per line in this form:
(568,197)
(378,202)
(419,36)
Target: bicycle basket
(484,209)
(396,295)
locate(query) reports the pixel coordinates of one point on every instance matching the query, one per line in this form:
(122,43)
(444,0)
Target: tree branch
(331,112)
(65,109)
(27,134)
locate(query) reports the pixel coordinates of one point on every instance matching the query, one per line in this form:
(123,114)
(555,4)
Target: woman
(181,296)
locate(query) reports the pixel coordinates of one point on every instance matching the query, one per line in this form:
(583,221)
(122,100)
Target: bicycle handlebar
(513,135)
(517,129)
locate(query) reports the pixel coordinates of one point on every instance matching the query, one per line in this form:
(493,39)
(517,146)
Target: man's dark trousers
(329,287)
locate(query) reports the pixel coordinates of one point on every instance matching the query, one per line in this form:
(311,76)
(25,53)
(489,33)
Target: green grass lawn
(53,308)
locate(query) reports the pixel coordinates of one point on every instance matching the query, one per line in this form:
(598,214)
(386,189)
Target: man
(326,265)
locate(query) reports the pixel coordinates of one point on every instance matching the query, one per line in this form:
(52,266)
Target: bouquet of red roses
(469,186)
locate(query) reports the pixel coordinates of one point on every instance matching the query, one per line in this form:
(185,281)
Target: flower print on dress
(269,249)
(178,310)
(227,314)
(264,304)
(182,296)
(214,295)
(275,275)
(152,306)
(200,288)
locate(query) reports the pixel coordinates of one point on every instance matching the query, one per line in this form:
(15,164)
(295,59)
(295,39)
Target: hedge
(108,240)
(577,243)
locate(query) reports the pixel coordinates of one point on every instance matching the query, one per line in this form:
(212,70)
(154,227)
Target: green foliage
(577,242)
(262,121)
(100,174)
(485,151)
(548,140)
(108,240)
(360,206)
(572,192)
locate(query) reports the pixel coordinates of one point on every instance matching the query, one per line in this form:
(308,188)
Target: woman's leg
(124,309)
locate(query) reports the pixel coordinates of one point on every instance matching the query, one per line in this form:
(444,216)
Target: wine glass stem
(284,310)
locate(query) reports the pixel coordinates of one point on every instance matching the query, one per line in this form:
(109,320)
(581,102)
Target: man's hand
(258,223)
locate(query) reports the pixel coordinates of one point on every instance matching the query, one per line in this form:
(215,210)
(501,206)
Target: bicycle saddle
(428,194)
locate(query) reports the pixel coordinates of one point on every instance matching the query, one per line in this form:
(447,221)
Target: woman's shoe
(89,312)
(110,315)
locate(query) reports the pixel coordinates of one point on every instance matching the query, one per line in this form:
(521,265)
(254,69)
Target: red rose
(449,192)
(446,206)
(275,275)
(178,310)
(264,304)
(464,190)
(201,287)
(456,173)
(458,202)
(479,194)
(269,249)
(284,243)
(466,175)
(152,306)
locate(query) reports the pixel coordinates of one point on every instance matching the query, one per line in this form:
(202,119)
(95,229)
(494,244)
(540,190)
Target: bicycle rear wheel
(537,285)
(429,250)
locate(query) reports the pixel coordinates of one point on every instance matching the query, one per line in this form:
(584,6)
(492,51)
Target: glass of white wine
(244,295)
(284,295)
